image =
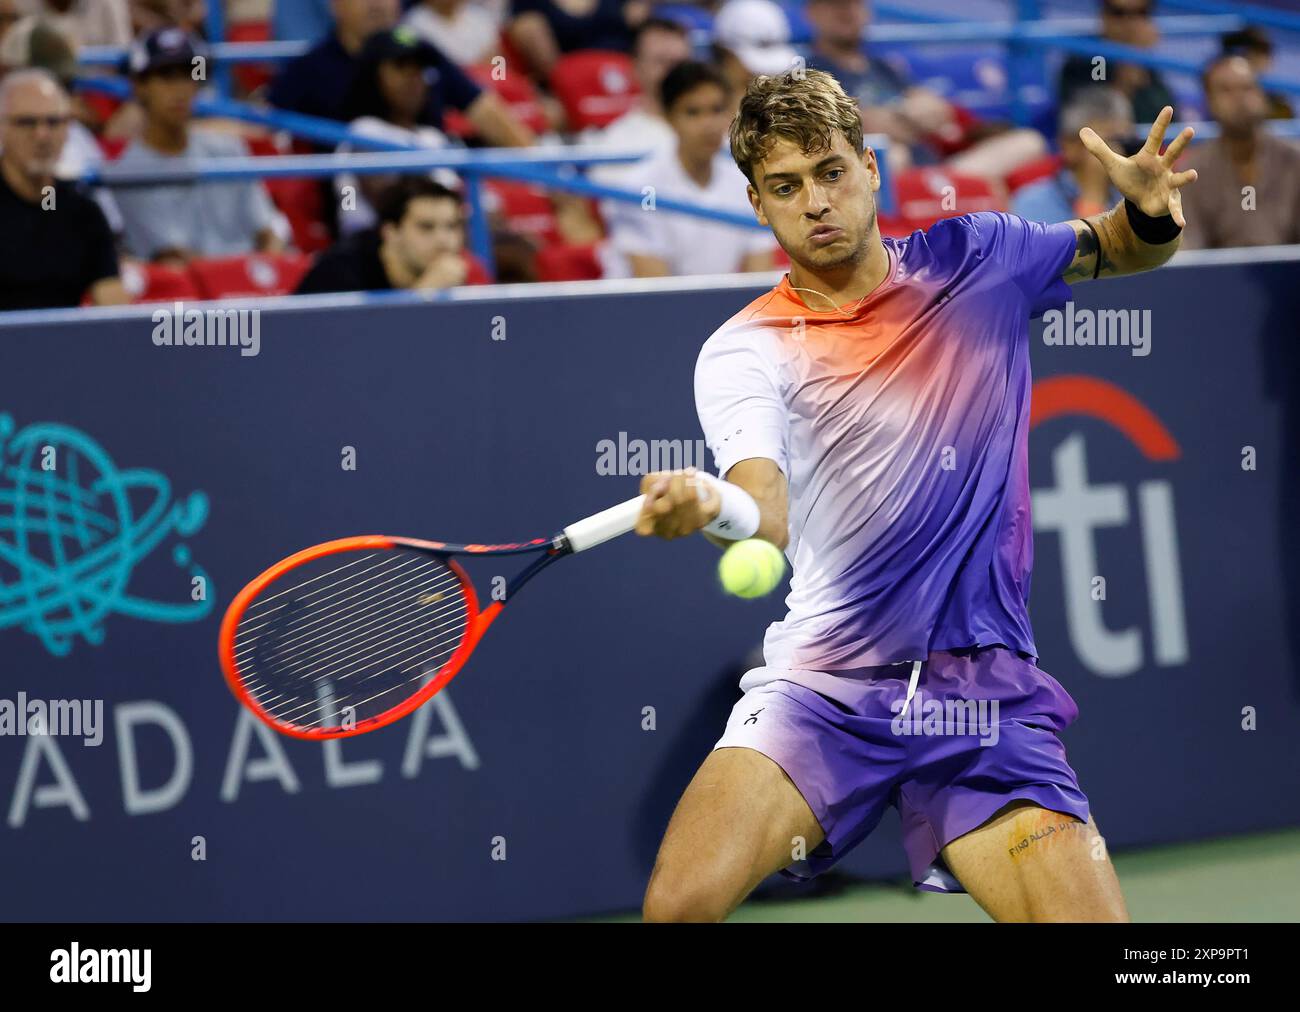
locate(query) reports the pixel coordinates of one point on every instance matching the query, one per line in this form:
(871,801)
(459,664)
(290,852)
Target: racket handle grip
(617,520)
(600,527)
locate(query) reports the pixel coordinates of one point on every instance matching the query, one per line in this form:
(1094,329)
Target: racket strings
(263,610)
(348,610)
(357,638)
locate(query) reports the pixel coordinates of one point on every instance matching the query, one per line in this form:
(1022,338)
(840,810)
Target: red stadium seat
(113,146)
(516,90)
(250,76)
(299,200)
(562,262)
(927,194)
(1031,172)
(525,209)
(476,273)
(253,274)
(892,225)
(145,282)
(595,87)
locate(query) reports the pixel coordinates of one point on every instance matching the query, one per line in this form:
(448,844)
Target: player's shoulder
(980,230)
(765,314)
(967,240)
(754,329)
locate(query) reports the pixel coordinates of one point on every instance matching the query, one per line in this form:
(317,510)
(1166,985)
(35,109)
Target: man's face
(402,84)
(1129,22)
(798,194)
(839,23)
(359,18)
(167,95)
(1234,97)
(34,127)
(700,118)
(431,227)
(657,52)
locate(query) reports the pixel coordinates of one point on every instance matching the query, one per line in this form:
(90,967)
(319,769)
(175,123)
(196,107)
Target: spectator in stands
(317,83)
(150,15)
(57,248)
(925,127)
(752,37)
(85,22)
(1247,190)
(1129,23)
(647,241)
(657,47)
(1081,187)
(1255,45)
(174,222)
(465,31)
(34,43)
(392,99)
(420,243)
(544,30)
(403,80)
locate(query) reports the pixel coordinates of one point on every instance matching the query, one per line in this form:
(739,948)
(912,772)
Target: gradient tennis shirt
(901,424)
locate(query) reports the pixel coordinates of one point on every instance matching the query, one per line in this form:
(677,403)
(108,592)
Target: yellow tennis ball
(751,568)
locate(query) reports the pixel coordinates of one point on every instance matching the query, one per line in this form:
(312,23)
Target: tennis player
(870,416)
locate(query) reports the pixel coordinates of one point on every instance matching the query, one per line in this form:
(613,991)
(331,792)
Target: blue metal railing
(542,166)
(1027,39)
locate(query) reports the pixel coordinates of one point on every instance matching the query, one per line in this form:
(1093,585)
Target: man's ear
(873,168)
(756,204)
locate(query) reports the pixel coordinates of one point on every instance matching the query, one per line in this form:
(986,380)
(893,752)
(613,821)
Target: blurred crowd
(660,81)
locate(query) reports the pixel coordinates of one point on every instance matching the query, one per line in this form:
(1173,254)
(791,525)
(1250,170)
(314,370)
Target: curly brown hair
(804,106)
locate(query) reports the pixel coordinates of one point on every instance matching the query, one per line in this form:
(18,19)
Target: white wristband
(738,515)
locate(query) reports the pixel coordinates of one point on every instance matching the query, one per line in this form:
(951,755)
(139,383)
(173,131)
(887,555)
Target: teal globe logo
(73,528)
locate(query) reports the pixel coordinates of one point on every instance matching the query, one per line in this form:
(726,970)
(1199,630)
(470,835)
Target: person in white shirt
(657,47)
(647,241)
(86,22)
(465,31)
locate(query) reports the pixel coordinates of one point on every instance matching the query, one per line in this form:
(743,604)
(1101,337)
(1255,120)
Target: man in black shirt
(1128,22)
(419,243)
(317,83)
(56,245)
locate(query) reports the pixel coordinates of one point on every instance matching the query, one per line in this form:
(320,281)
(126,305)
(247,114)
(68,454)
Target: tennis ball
(751,568)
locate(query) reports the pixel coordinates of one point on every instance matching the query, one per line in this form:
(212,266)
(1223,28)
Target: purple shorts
(978,730)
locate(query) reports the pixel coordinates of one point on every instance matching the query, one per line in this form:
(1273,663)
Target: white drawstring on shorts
(911,686)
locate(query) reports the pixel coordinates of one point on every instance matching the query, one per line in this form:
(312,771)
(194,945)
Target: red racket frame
(477,621)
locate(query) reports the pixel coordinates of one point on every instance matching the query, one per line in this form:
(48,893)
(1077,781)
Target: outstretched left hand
(1148,178)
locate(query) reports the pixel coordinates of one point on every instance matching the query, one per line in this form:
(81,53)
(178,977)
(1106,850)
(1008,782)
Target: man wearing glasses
(57,247)
(1127,23)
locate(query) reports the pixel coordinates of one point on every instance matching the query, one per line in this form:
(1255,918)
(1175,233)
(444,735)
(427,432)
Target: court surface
(1240,878)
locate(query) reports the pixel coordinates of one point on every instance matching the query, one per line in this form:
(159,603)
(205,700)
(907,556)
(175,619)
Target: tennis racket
(351,635)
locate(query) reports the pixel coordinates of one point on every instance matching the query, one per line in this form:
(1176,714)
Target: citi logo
(76,965)
(1075,510)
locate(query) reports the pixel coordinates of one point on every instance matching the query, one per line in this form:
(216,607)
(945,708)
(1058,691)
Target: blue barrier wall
(484,420)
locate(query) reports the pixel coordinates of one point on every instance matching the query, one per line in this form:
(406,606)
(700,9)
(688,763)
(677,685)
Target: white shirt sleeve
(738,399)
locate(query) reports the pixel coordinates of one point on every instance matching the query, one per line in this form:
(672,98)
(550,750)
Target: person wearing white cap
(752,38)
